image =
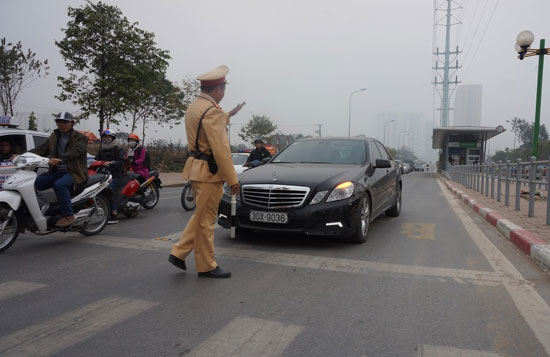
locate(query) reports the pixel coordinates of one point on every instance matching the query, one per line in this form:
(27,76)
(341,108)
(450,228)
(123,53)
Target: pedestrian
(113,159)
(66,149)
(208,167)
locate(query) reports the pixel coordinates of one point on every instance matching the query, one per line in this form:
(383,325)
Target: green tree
(525,131)
(260,126)
(32,122)
(109,59)
(17,71)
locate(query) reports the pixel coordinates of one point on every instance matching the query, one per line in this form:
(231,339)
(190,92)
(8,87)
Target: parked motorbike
(23,208)
(187,197)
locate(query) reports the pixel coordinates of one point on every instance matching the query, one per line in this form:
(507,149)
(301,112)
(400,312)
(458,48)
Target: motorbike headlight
(20,161)
(341,192)
(318,197)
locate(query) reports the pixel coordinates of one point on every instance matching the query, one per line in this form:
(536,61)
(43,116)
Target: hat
(214,77)
(64,116)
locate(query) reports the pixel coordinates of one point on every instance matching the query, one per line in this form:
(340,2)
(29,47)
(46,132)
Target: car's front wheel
(362,223)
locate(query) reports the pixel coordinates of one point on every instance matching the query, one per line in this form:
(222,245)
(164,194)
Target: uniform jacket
(75,154)
(258,154)
(212,140)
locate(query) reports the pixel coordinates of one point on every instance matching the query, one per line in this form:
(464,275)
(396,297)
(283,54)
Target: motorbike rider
(66,149)
(113,158)
(138,154)
(258,154)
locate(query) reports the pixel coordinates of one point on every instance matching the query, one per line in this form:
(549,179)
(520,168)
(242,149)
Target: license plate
(268,217)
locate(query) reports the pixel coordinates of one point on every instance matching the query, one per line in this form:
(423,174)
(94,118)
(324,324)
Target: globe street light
(523,43)
(349,110)
(385,124)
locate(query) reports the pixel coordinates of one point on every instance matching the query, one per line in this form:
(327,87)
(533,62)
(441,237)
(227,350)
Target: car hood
(315,176)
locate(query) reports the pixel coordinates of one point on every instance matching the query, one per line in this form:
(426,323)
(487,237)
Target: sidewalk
(536,225)
(172,179)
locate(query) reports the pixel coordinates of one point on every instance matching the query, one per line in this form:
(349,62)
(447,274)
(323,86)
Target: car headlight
(20,161)
(318,197)
(341,192)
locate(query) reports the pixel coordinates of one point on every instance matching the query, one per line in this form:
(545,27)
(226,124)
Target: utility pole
(443,79)
(318,131)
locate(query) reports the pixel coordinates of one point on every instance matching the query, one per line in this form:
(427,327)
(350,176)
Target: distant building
(467,108)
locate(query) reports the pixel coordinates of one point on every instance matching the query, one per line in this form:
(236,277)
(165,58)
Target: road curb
(537,248)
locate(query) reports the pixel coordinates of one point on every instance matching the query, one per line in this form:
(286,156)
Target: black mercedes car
(321,186)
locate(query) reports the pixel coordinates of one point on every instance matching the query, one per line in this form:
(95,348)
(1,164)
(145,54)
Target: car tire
(395,211)
(362,223)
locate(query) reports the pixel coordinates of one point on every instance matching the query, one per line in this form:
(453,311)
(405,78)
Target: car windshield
(324,152)
(239,159)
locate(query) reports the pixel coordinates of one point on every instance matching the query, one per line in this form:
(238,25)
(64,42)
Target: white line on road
(443,351)
(68,329)
(530,304)
(169,197)
(308,261)
(10,289)
(246,336)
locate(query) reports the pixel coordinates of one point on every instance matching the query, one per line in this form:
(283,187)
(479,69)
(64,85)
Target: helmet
(108,132)
(133,136)
(66,116)
(258,140)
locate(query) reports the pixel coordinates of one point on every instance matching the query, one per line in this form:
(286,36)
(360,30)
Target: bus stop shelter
(463,145)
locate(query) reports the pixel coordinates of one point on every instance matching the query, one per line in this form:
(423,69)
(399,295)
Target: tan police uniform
(207,187)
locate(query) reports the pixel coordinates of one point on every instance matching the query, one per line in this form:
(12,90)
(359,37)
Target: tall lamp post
(523,43)
(349,110)
(385,124)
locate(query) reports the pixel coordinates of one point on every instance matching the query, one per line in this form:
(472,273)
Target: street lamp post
(349,110)
(385,124)
(523,41)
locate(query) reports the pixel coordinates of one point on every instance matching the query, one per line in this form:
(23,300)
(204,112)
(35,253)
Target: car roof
(350,138)
(10,131)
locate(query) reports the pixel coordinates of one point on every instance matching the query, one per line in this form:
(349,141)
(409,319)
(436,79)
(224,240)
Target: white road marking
(308,261)
(169,197)
(10,289)
(246,336)
(68,329)
(530,304)
(443,351)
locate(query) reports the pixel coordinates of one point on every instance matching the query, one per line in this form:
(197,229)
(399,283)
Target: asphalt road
(435,280)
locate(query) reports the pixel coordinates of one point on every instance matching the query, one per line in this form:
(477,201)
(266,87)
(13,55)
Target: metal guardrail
(486,178)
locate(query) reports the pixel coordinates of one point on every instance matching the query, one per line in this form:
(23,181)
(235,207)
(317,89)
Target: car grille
(274,196)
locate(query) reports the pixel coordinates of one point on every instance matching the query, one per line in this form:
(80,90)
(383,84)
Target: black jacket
(258,154)
(116,156)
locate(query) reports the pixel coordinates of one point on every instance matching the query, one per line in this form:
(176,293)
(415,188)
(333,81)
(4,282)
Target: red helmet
(133,136)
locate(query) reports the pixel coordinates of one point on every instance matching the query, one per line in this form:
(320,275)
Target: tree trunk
(143,133)
(134,120)
(101,119)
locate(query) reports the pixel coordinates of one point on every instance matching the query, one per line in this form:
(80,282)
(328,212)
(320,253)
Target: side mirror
(382,164)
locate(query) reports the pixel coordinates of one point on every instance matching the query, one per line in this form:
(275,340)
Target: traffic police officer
(208,167)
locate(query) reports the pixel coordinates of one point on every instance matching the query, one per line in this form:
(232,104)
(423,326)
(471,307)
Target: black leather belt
(200,155)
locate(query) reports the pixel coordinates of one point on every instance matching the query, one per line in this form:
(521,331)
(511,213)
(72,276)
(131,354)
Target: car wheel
(395,211)
(363,222)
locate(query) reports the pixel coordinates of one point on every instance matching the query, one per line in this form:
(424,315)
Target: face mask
(132,144)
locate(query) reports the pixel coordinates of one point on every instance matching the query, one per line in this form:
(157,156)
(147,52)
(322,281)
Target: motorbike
(134,195)
(187,197)
(23,208)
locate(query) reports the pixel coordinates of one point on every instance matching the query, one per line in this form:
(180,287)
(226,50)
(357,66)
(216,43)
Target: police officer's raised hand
(235,189)
(235,110)
(54,161)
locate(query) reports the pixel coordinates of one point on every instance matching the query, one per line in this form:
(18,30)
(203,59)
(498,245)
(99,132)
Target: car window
(39,140)
(383,153)
(374,153)
(17,141)
(324,152)
(239,159)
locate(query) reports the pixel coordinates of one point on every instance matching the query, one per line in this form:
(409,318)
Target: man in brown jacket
(208,167)
(66,149)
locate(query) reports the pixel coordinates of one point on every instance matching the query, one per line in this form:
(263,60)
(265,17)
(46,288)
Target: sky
(298,61)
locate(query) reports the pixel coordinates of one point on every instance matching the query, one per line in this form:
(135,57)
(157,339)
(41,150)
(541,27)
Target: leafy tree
(17,71)
(259,126)
(109,59)
(32,122)
(525,132)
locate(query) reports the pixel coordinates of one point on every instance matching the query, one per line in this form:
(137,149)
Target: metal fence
(495,180)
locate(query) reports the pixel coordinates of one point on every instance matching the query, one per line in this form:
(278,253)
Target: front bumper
(307,219)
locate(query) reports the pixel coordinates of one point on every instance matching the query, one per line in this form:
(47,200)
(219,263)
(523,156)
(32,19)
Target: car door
(390,175)
(376,180)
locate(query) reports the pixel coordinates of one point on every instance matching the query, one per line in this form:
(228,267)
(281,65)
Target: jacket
(258,154)
(212,140)
(116,156)
(75,154)
(138,162)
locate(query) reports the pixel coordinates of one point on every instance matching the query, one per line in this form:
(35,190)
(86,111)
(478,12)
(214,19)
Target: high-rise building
(467,109)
